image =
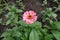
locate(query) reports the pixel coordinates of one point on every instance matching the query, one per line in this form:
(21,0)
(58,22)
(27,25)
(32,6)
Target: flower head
(29,17)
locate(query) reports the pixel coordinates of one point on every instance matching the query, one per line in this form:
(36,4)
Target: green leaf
(34,35)
(48,37)
(22,23)
(7,33)
(45,1)
(54,15)
(0,20)
(56,34)
(17,34)
(19,10)
(1,11)
(8,38)
(57,25)
(8,22)
(55,0)
(36,24)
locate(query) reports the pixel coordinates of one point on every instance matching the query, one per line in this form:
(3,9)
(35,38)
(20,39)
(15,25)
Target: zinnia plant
(24,24)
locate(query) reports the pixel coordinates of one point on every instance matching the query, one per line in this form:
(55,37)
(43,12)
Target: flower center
(30,16)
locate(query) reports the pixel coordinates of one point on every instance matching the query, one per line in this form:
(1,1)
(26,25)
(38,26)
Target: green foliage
(11,34)
(48,14)
(56,33)
(27,32)
(16,33)
(13,14)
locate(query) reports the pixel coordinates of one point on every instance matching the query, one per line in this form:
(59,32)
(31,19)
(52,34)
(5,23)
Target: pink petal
(35,18)
(26,13)
(32,13)
(24,17)
(29,21)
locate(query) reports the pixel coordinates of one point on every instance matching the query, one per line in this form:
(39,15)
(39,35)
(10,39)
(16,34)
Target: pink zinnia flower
(29,17)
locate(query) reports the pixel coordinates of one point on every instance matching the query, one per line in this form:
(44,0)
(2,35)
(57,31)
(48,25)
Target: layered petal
(29,17)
